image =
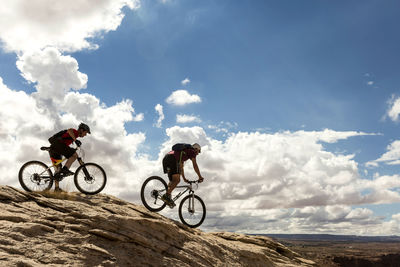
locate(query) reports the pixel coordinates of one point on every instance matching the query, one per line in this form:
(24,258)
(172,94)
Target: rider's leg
(173,183)
(71,160)
(56,182)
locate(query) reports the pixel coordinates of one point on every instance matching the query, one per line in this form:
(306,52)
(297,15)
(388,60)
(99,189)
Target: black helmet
(84,127)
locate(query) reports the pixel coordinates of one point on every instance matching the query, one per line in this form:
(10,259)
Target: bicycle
(89,178)
(192,210)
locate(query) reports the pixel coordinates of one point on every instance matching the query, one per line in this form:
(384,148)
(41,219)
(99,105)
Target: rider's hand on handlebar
(78,143)
(186,180)
(201,179)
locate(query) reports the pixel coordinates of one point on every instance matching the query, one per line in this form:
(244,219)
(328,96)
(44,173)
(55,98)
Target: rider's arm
(71,133)
(196,168)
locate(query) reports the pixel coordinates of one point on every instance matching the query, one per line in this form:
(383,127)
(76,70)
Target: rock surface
(78,230)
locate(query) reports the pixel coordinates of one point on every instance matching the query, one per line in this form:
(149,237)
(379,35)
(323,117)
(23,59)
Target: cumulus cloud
(287,169)
(182,97)
(160,112)
(183,118)
(185,82)
(52,73)
(33,25)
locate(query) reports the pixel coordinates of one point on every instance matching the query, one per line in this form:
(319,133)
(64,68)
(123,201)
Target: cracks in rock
(146,214)
(51,206)
(109,210)
(11,250)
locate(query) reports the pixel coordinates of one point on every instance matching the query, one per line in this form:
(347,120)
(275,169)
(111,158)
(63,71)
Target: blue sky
(274,65)
(284,69)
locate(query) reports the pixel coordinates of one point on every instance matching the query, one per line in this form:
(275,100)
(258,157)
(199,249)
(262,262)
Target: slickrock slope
(103,230)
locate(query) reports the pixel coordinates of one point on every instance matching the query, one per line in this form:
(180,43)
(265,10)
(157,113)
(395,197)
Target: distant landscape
(344,250)
(326,237)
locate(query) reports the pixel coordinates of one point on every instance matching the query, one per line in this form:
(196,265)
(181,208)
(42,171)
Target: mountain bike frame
(187,188)
(56,163)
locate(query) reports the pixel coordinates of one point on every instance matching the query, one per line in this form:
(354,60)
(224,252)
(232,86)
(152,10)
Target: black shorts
(58,148)
(170,165)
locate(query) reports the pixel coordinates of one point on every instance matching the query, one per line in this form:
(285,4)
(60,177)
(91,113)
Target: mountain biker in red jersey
(60,146)
(173,165)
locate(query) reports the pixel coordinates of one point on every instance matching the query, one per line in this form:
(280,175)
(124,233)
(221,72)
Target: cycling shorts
(170,165)
(58,149)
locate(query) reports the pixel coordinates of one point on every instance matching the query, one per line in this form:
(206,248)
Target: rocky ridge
(78,230)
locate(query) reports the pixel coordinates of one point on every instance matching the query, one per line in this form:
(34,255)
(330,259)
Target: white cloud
(394,109)
(183,118)
(370,82)
(68,25)
(182,97)
(53,73)
(287,169)
(160,112)
(185,82)
(391,157)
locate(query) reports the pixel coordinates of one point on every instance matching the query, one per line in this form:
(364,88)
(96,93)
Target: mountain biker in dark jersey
(60,146)
(173,165)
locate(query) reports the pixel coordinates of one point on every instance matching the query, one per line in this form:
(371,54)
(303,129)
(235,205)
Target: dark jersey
(186,154)
(67,139)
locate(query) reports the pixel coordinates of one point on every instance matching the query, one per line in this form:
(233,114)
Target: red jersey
(67,139)
(186,154)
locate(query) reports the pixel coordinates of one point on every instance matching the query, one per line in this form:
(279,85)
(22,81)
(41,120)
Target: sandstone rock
(78,230)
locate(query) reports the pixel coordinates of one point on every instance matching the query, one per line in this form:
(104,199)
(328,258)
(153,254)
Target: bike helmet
(197,147)
(84,127)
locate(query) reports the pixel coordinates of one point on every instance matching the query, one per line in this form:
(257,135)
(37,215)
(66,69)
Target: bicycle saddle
(45,148)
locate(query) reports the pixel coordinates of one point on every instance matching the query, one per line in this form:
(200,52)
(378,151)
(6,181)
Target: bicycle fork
(87,175)
(191,203)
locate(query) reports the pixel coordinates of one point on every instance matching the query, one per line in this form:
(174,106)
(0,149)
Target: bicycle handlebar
(194,182)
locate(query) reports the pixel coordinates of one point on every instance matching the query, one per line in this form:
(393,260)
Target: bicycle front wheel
(192,211)
(152,190)
(90,178)
(35,176)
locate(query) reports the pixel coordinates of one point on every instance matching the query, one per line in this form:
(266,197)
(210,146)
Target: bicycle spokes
(151,192)
(35,176)
(90,178)
(192,211)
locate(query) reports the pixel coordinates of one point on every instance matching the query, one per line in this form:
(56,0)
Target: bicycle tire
(34,178)
(152,194)
(88,185)
(183,213)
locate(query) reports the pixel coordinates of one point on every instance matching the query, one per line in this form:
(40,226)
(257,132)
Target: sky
(296,104)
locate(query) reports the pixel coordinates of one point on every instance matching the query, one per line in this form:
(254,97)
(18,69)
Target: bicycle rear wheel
(35,176)
(192,211)
(90,178)
(152,190)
